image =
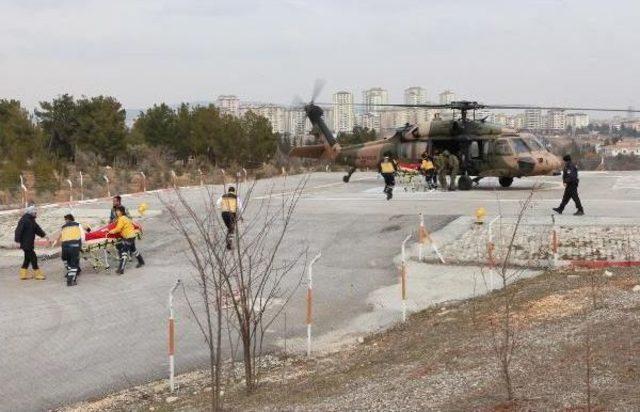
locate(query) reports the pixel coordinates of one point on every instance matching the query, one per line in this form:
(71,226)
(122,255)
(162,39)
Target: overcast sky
(574,52)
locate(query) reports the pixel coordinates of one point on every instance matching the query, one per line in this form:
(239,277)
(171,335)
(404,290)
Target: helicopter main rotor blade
(465,105)
(577,109)
(317,89)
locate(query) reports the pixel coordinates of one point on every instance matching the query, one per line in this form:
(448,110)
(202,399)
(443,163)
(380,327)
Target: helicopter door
(412,151)
(477,150)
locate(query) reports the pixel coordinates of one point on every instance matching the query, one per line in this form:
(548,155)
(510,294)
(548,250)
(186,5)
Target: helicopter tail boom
(316,151)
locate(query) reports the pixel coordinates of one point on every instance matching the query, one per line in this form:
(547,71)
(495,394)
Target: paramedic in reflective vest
(71,238)
(126,229)
(429,171)
(388,168)
(229,203)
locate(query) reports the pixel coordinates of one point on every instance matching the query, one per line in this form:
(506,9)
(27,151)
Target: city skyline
(344,113)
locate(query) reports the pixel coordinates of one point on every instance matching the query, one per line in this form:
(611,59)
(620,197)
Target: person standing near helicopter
(429,171)
(440,162)
(453,165)
(388,168)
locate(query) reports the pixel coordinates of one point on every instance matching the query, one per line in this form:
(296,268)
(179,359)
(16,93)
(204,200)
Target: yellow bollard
(142,208)
(481,213)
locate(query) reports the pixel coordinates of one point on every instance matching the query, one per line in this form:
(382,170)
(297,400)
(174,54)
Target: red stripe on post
(309,302)
(403,274)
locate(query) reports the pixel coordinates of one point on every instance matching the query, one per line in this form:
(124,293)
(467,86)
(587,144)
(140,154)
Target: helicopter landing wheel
(505,181)
(464,183)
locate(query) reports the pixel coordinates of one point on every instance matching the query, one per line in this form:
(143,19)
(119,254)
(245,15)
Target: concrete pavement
(65,344)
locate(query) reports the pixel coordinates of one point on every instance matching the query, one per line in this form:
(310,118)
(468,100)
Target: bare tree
(503,333)
(251,283)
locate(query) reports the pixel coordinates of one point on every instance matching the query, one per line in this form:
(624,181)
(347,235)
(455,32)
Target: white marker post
(144,181)
(81,187)
(24,191)
(174,179)
(106,179)
(310,303)
(201,177)
(490,249)
(422,237)
(172,347)
(70,190)
(244,171)
(403,279)
(554,241)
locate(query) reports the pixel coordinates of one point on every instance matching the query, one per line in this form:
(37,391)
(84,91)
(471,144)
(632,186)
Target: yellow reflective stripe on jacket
(71,233)
(427,165)
(124,226)
(229,204)
(387,167)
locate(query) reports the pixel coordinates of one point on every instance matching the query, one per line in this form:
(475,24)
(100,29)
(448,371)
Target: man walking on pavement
(570,181)
(388,168)
(25,235)
(126,229)
(71,237)
(229,204)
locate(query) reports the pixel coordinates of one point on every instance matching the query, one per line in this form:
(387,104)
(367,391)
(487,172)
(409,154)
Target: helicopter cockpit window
(520,146)
(486,148)
(503,148)
(534,144)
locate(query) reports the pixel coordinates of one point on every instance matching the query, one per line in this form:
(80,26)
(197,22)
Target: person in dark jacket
(570,180)
(117,202)
(25,235)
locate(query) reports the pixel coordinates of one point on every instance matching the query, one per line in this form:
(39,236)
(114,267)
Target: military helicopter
(484,149)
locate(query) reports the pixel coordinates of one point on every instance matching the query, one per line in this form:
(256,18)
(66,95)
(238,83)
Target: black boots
(140,261)
(557,210)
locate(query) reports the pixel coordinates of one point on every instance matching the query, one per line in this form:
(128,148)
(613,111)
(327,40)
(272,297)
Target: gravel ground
(532,244)
(444,359)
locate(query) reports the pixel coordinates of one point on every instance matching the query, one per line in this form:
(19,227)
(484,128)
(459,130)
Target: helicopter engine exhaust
(314,113)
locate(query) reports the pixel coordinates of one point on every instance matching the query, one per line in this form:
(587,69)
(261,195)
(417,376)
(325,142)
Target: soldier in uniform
(388,168)
(454,166)
(441,169)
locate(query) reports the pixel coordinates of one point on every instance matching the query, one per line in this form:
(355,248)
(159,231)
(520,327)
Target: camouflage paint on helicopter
(484,149)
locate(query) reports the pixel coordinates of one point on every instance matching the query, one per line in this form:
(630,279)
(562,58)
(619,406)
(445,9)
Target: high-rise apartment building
(415,95)
(533,119)
(577,120)
(373,97)
(447,97)
(228,104)
(343,116)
